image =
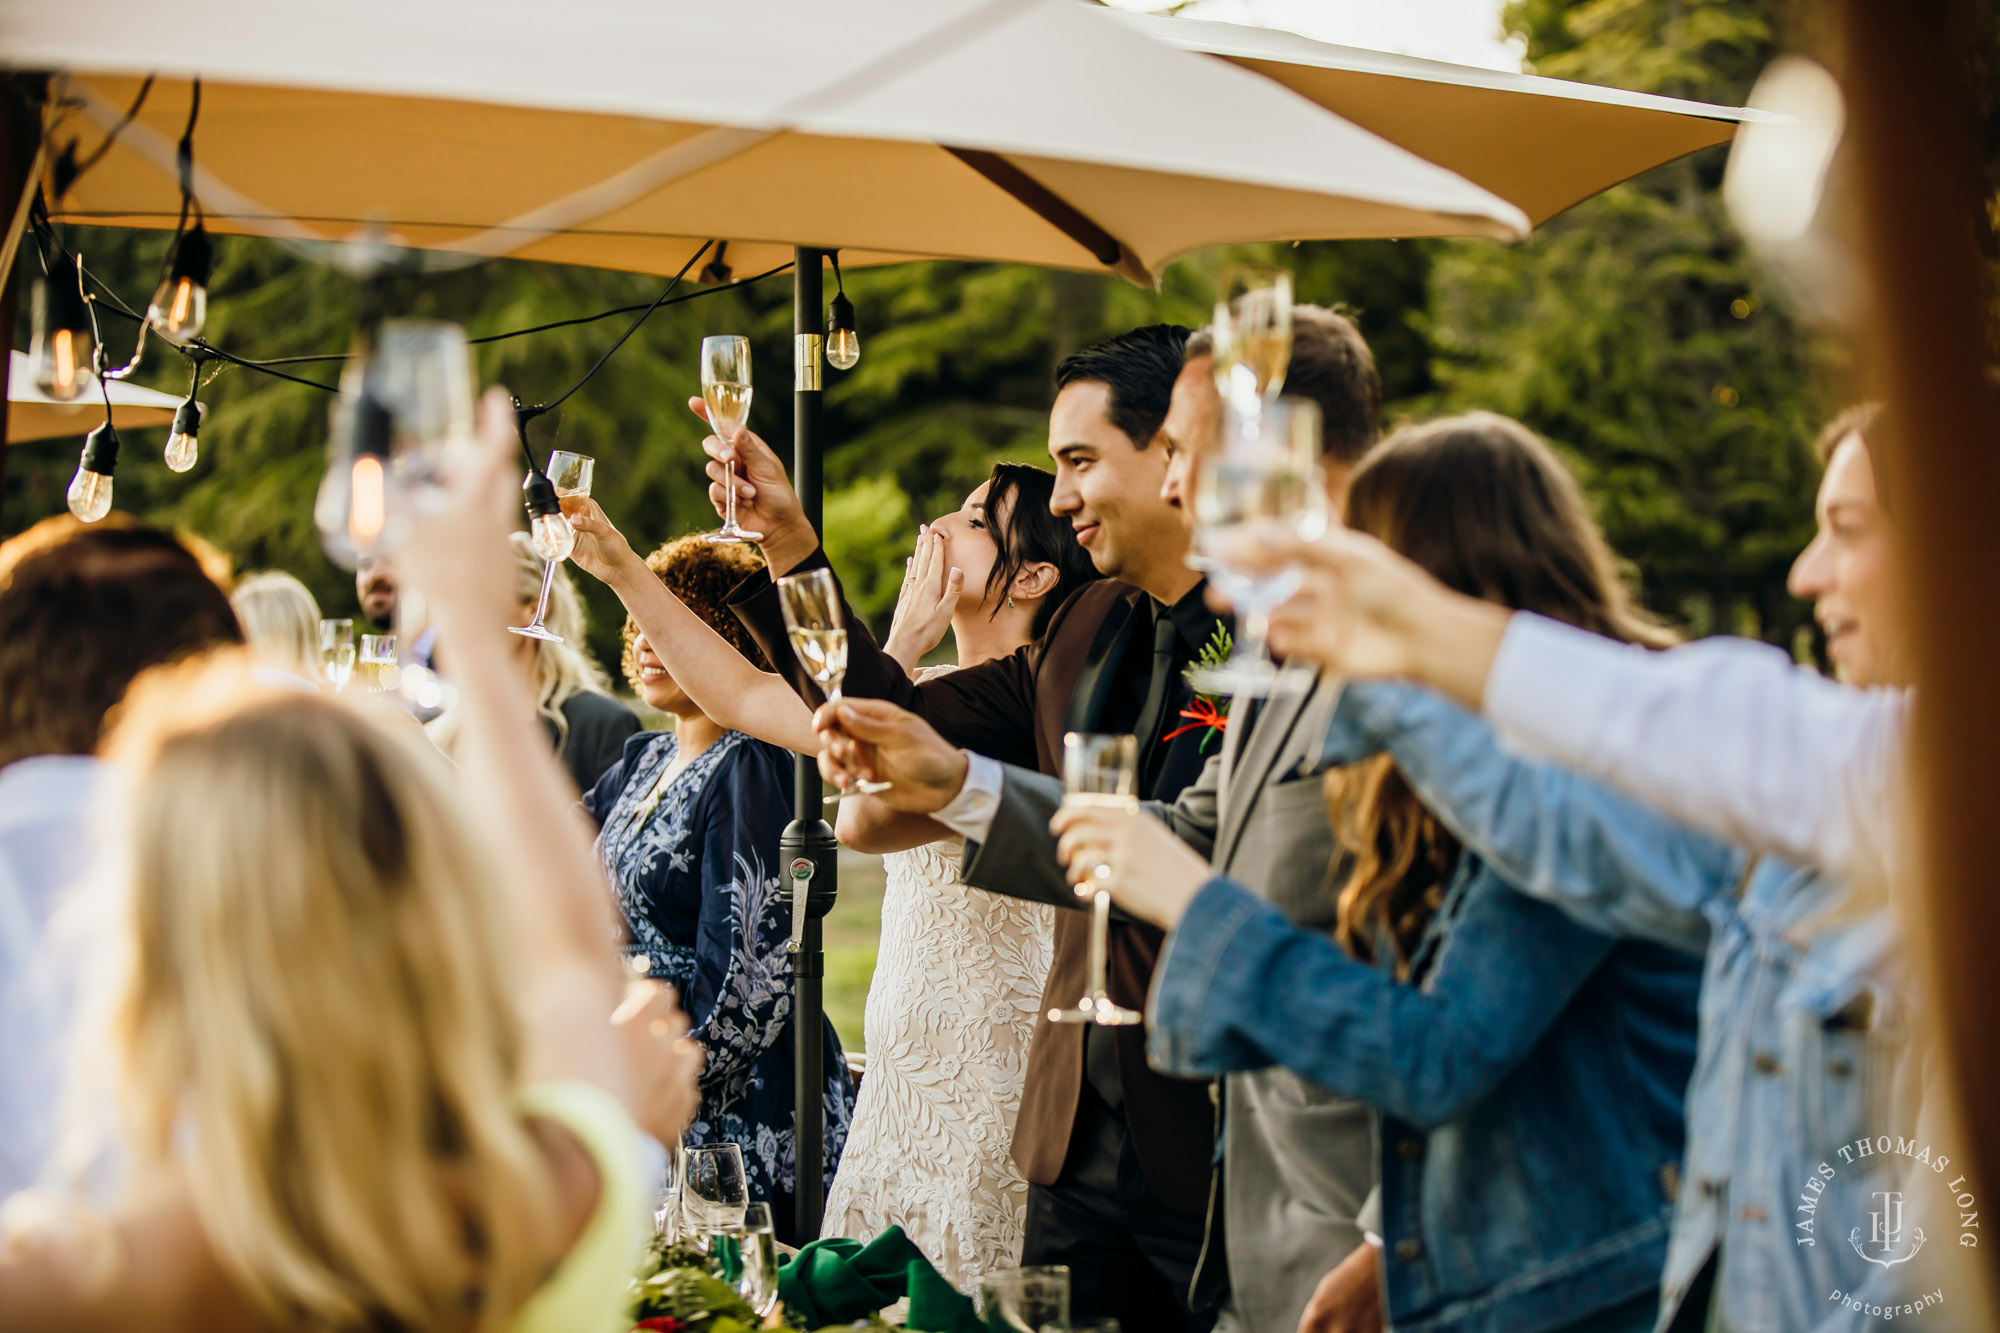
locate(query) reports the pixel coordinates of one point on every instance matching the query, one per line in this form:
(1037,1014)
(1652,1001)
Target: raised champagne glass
(551,534)
(725,387)
(336,652)
(811,606)
(1252,332)
(377,667)
(1103,771)
(1264,477)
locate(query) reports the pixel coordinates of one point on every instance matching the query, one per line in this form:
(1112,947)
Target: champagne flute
(1102,771)
(553,538)
(1024,1300)
(1264,477)
(714,1191)
(747,1258)
(377,667)
(1252,332)
(811,606)
(725,387)
(336,652)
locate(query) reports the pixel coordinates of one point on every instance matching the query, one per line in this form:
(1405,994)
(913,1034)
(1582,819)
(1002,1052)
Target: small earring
(1010,604)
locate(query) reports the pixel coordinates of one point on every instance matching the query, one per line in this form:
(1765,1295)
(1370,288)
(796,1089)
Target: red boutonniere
(1209,711)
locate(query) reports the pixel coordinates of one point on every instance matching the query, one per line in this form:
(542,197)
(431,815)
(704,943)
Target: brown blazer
(1016,709)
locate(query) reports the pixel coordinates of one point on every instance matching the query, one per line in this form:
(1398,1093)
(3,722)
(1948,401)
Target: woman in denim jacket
(1528,1071)
(1801,1026)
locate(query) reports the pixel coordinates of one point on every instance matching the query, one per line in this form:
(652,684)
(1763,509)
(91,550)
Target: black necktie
(1152,714)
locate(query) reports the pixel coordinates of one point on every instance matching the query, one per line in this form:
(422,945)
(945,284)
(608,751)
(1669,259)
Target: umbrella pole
(808,850)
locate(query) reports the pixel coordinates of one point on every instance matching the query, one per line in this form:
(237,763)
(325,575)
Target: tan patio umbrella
(33,415)
(1540,144)
(623,133)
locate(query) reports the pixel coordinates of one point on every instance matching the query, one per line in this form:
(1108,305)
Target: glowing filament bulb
(181,444)
(89,495)
(180,307)
(368,501)
(551,536)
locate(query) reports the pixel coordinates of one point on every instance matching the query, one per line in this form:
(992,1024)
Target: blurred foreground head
(315,1027)
(1849,571)
(82,613)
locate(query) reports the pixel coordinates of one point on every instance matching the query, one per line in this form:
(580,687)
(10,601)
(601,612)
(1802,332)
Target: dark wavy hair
(702,574)
(1139,368)
(84,615)
(1032,535)
(1488,510)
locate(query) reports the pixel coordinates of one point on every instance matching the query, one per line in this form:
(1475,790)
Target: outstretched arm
(722,682)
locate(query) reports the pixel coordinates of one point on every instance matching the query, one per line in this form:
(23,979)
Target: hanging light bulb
(352,509)
(60,347)
(181,445)
(843,344)
(548,531)
(90,488)
(180,306)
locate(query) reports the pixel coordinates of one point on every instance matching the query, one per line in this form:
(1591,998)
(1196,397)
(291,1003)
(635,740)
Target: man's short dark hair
(1331,365)
(81,618)
(1139,368)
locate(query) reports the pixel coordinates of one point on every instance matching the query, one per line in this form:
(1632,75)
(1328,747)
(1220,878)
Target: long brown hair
(1489,510)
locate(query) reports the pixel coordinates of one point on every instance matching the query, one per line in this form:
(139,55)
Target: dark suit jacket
(1016,709)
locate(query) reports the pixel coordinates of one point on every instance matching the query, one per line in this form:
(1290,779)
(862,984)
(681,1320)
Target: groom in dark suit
(1118,1156)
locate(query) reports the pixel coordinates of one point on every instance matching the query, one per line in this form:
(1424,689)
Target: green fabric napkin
(839,1281)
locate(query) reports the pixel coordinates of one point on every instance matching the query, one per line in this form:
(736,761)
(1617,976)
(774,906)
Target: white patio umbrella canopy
(623,133)
(33,415)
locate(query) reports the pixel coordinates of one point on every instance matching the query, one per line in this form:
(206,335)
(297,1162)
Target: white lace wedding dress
(958,981)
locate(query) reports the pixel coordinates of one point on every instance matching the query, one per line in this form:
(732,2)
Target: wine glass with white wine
(1099,770)
(336,652)
(725,387)
(551,534)
(1252,333)
(811,606)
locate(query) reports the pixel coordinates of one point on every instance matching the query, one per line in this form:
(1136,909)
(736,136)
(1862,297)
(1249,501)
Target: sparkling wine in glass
(336,652)
(377,669)
(1252,332)
(551,534)
(811,605)
(1099,770)
(725,387)
(714,1191)
(1264,477)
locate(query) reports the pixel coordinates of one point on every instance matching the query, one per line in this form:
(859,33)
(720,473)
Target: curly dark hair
(702,574)
(83,615)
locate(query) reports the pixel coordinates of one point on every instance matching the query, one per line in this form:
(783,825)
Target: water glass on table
(715,1193)
(1024,1300)
(746,1257)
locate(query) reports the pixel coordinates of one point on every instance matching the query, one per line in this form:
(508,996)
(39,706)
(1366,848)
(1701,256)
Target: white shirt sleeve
(970,813)
(1724,734)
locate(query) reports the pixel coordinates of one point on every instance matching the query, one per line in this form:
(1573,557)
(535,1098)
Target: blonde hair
(281,621)
(562,670)
(317,1025)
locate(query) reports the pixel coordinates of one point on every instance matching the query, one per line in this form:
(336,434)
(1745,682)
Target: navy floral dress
(697,873)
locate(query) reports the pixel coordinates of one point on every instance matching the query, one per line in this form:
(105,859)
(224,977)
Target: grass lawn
(851,931)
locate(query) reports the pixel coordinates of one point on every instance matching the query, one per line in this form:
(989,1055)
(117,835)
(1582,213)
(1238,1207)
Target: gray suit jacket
(1300,1159)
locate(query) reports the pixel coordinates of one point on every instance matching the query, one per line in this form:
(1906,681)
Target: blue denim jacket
(1800,1028)
(1528,1087)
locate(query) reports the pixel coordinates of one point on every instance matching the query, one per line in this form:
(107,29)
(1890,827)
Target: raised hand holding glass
(810,603)
(549,532)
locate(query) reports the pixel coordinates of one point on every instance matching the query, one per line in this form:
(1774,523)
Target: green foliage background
(1632,331)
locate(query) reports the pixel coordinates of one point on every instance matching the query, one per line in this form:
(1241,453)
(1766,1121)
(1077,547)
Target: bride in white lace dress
(959,972)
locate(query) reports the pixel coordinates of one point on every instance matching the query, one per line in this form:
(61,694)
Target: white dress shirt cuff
(970,813)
